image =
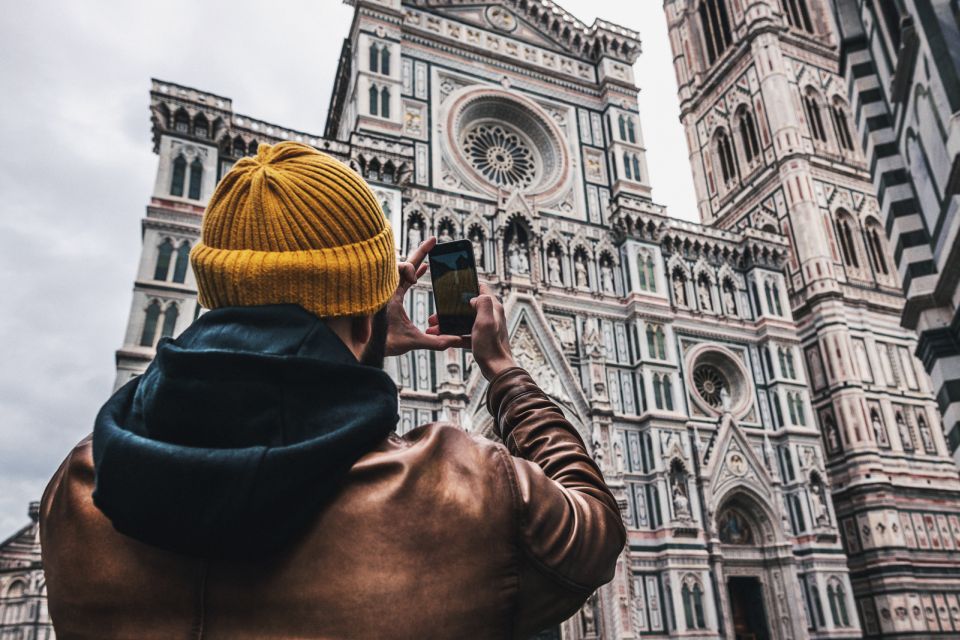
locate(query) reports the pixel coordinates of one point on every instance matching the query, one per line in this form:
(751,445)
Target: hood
(238,433)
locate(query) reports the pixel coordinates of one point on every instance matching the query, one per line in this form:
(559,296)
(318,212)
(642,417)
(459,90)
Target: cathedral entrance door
(746,608)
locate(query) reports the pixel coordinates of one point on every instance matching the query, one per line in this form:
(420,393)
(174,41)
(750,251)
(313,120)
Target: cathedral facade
(728,377)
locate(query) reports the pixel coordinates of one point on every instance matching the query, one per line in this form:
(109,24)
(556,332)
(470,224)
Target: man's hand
(489,340)
(402,334)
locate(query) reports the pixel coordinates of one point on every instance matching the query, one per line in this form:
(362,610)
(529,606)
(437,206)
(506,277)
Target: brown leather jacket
(438,534)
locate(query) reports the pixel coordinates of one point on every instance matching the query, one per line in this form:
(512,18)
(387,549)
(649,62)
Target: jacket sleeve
(570,530)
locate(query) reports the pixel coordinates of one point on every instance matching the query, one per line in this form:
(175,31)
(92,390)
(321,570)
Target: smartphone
(453,272)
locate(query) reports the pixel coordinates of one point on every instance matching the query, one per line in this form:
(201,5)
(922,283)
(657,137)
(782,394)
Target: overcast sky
(77,169)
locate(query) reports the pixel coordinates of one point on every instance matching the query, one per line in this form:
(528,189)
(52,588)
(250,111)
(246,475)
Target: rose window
(709,383)
(500,155)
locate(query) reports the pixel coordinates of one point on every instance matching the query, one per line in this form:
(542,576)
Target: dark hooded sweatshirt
(238,433)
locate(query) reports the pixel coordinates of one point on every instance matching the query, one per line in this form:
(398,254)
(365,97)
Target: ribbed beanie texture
(294,225)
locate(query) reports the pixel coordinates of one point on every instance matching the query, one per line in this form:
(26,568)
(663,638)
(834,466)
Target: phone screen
(454,275)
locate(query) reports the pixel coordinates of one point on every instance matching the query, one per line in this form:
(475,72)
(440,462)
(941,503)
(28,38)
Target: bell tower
(773,151)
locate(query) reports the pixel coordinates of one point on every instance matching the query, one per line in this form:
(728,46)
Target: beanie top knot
(294,225)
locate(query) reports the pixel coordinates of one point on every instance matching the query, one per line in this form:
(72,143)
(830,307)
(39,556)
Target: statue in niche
(679,289)
(678,483)
(832,438)
(524,260)
(598,454)
(414,235)
(445,235)
(590,616)
(606,278)
(816,369)
(681,504)
(878,431)
(618,455)
(554,276)
(703,294)
(580,266)
(820,513)
(477,241)
(725,402)
(729,300)
(513,257)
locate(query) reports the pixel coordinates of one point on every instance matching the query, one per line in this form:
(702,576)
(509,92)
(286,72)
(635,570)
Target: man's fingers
(434,319)
(485,289)
(422,270)
(417,255)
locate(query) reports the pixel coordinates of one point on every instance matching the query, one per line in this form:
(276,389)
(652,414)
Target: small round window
(711,385)
(718,380)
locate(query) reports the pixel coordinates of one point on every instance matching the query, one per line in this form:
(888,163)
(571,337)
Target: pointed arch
(384,102)
(179,175)
(841,123)
(725,157)
(374,57)
(151,318)
(845,227)
(164,254)
(181,121)
(812,104)
(170,316)
(201,126)
(183,262)
(797,14)
(196,179)
(876,243)
(748,134)
(374,100)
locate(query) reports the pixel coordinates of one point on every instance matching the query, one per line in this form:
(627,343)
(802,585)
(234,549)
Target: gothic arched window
(374,56)
(631,133)
(183,261)
(623,127)
(196,178)
(798,15)
(150,324)
(875,244)
(844,226)
(636,167)
(667,391)
(179,176)
(838,604)
(748,135)
(201,128)
(169,321)
(627,171)
(647,278)
(181,122)
(164,253)
(252,148)
(715,25)
(385,60)
(374,100)
(811,104)
(728,163)
(385,102)
(239,148)
(841,124)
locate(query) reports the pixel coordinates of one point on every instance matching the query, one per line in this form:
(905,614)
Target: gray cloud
(77,169)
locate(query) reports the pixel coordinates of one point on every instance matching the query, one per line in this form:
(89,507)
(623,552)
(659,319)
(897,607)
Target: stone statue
(832,436)
(704,295)
(477,242)
(513,257)
(725,399)
(878,430)
(553,270)
(524,260)
(598,453)
(679,290)
(580,266)
(606,277)
(590,615)
(445,234)
(414,235)
(820,513)
(618,455)
(729,301)
(681,504)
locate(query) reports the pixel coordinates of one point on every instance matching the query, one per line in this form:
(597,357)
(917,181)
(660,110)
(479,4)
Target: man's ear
(361,330)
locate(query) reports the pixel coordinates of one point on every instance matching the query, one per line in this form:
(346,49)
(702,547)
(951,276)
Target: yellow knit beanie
(293,225)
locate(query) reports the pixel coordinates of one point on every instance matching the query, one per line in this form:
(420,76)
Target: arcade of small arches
(855,240)
(552,259)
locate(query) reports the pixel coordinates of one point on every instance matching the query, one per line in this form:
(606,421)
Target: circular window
(504,156)
(710,384)
(718,381)
(501,141)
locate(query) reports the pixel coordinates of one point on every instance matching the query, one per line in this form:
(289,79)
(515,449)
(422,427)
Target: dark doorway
(746,608)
